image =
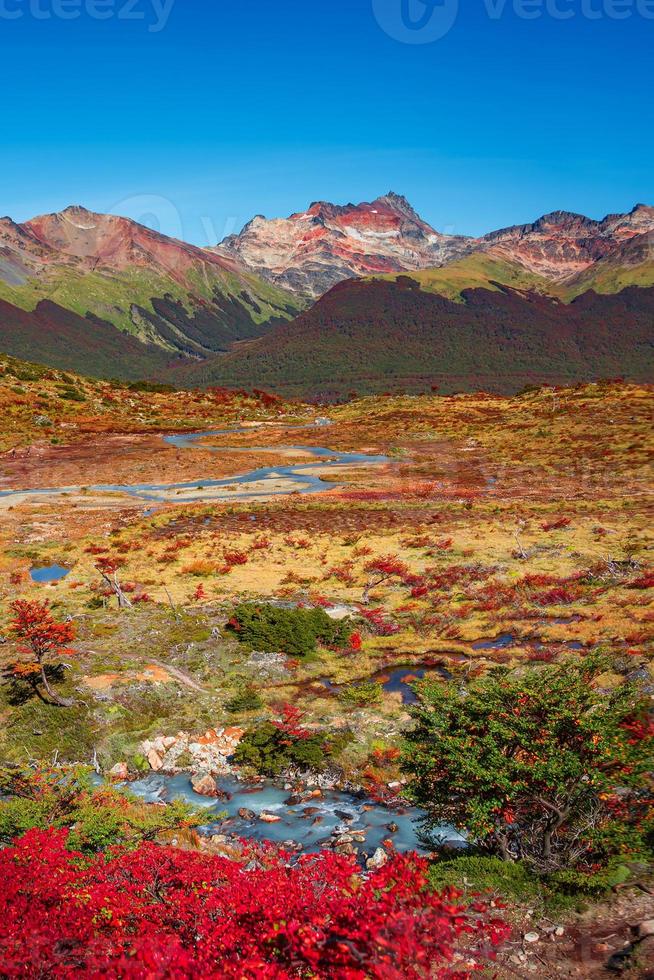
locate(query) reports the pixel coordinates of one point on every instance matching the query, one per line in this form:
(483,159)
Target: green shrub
(154,387)
(536,765)
(295,632)
(475,875)
(246,699)
(269,749)
(97,818)
(72,395)
(17,816)
(360,695)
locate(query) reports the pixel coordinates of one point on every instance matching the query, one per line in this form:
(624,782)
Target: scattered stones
(209,752)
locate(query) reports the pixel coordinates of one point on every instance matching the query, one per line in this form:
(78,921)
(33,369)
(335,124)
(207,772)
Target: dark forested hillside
(378,335)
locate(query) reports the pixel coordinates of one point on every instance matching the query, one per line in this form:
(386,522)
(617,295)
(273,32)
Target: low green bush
(474,875)
(361,695)
(72,395)
(245,699)
(269,749)
(295,632)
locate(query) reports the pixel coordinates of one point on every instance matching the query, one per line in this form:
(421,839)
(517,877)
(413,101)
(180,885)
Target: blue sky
(223,109)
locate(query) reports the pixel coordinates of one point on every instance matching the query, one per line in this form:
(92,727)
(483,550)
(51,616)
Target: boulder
(269,818)
(155,760)
(246,814)
(645,929)
(119,771)
(378,860)
(204,784)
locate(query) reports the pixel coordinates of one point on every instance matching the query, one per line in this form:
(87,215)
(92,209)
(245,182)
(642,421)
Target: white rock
(378,859)
(119,771)
(532,937)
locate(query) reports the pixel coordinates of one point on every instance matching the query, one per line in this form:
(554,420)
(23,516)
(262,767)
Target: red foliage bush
(556,525)
(159,912)
(556,597)
(235,558)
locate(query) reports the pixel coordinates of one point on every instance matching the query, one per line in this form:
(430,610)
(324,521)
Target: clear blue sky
(238,107)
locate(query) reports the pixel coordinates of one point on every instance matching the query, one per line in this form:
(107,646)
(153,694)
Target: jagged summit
(312,250)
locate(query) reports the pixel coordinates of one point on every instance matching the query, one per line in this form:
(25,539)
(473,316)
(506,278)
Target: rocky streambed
(305,820)
(304,812)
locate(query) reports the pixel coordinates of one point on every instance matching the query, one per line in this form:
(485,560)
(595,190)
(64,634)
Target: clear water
(499,643)
(49,573)
(333,810)
(395,680)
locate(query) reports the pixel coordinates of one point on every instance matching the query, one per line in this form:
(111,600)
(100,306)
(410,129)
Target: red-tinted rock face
(106,241)
(561,245)
(315,249)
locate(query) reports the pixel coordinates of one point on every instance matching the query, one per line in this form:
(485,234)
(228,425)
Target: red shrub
(235,558)
(556,525)
(157,912)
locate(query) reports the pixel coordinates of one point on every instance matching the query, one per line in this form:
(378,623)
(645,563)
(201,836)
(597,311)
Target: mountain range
(366,296)
(81,271)
(315,249)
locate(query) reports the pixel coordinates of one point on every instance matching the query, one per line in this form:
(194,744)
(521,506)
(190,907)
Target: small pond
(48,573)
(395,680)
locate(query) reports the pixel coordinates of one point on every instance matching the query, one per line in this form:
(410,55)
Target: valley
(505,518)
(260,593)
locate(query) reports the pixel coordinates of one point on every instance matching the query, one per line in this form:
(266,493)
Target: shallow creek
(310,823)
(266,481)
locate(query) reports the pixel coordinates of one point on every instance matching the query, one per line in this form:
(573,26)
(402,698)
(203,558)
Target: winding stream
(266,481)
(312,823)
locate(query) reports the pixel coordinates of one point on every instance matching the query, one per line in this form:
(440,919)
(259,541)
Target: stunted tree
(42,639)
(381,570)
(109,567)
(539,766)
